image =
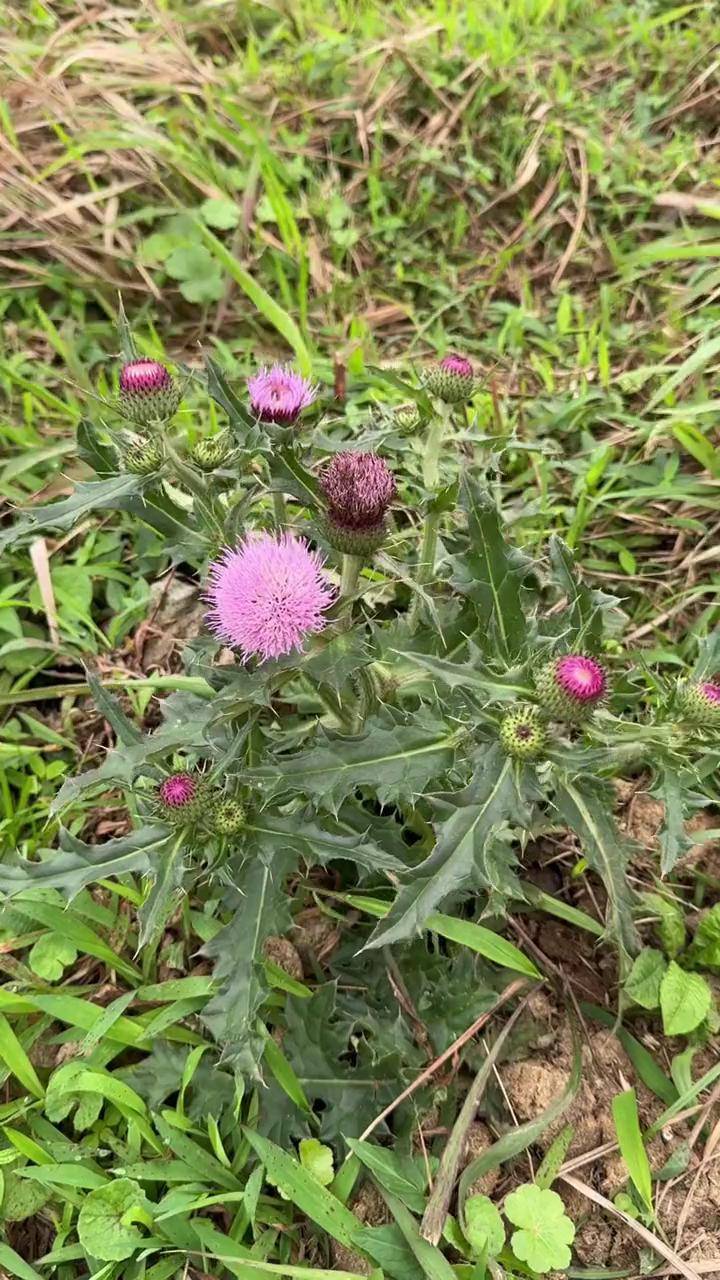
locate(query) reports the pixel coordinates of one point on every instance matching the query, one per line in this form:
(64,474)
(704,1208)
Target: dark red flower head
(358,489)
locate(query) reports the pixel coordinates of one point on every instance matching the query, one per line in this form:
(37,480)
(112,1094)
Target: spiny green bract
(211,453)
(570,687)
(451,380)
(698,703)
(353,542)
(143,457)
(523,733)
(227,817)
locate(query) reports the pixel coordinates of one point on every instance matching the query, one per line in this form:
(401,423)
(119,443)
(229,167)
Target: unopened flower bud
(227,817)
(148,392)
(143,457)
(407,418)
(452,379)
(211,453)
(358,489)
(699,704)
(571,687)
(523,733)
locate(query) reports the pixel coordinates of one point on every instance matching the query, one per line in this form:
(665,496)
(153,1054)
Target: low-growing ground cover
(394,949)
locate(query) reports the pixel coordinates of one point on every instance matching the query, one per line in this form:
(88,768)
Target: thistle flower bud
(227,818)
(571,687)
(358,489)
(181,798)
(148,392)
(523,733)
(699,704)
(451,380)
(143,457)
(212,452)
(406,418)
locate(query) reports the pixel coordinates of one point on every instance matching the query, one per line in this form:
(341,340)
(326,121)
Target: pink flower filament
(141,377)
(581,678)
(279,394)
(711,691)
(177,791)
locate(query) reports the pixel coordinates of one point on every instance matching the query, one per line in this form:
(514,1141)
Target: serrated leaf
(492,573)
(484,1228)
(110,708)
(166,882)
(583,618)
(87,496)
(468,853)
(261,909)
(396,755)
(670,925)
(76,864)
(586,807)
(644,979)
(291,476)
(685,1000)
(319,841)
(705,947)
(545,1231)
(674,790)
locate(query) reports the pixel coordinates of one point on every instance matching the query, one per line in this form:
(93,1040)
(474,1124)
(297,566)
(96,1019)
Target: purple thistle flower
(581,678)
(144,377)
(148,392)
(267,594)
(699,704)
(358,489)
(454,363)
(279,394)
(178,791)
(710,691)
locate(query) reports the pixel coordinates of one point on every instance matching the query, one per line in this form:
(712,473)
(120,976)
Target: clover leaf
(544,1229)
(318,1160)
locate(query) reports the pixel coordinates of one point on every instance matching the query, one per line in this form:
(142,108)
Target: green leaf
(643,981)
(317,1159)
(545,1232)
(21,1199)
(319,842)
(704,950)
(632,1149)
(304,1191)
(434,1264)
(103,1226)
(397,755)
(670,925)
(554,1157)
(586,807)
(190,262)
(50,955)
(400,1175)
(674,789)
(492,573)
(87,496)
(206,288)
(488,944)
(469,851)
(583,615)
(76,864)
(166,884)
(15,1265)
(220,212)
(645,1065)
(261,909)
(484,1228)
(685,1000)
(16,1059)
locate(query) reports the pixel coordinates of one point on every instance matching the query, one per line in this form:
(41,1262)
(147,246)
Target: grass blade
(632,1149)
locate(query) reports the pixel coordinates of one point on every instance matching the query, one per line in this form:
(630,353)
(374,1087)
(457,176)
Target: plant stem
(193,684)
(433,444)
(351,566)
(280,510)
(431,479)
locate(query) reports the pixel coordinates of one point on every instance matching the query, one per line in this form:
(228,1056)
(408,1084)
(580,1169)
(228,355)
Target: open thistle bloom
(699,703)
(358,489)
(181,798)
(571,687)
(267,594)
(523,733)
(452,379)
(279,394)
(148,392)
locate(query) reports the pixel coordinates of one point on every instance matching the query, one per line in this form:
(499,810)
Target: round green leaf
(21,1198)
(103,1222)
(318,1160)
(685,999)
(50,955)
(545,1232)
(483,1227)
(220,213)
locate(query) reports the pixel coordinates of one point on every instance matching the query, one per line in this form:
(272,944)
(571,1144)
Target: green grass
(530,181)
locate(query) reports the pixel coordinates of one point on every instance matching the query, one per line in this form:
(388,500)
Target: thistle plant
(471,699)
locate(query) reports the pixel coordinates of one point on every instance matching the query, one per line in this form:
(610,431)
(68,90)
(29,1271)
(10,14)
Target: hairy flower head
(572,686)
(148,392)
(699,703)
(358,489)
(452,379)
(267,594)
(178,791)
(279,394)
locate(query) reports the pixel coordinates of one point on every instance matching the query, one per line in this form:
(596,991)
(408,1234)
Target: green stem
(279,510)
(192,684)
(351,566)
(431,479)
(187,475)
(433,445)
(426,563)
